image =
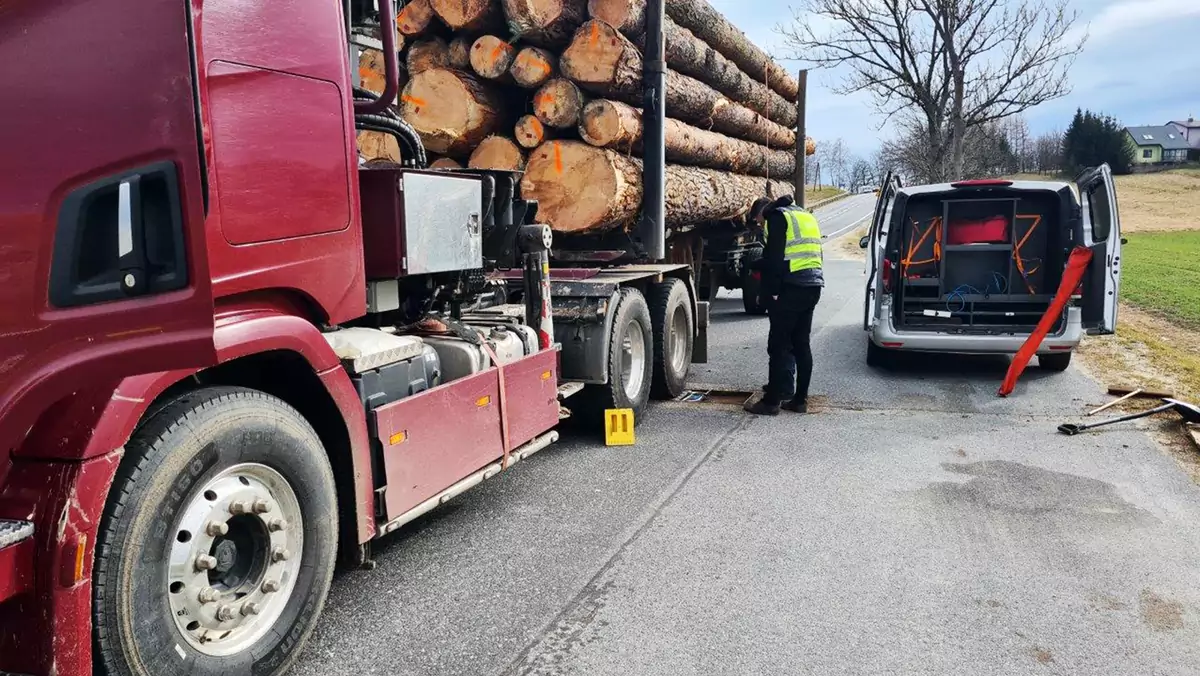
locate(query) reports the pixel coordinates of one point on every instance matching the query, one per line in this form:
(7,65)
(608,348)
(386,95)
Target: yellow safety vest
(803,248)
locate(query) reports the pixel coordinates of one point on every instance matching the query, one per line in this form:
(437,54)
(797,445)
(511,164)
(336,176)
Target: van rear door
(1101,234)
(876,245)
(102,240)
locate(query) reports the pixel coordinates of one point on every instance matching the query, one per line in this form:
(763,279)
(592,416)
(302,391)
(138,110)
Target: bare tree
(880,166)
(957,64)
(1048,152)
(861,174)
(832,157)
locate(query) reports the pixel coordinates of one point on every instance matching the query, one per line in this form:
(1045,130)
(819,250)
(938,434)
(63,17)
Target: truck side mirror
(866,240)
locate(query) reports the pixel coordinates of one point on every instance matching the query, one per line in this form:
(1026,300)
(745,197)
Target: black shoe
(795,406)
(761,407)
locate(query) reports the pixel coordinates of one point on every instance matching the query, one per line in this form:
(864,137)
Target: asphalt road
(915,523)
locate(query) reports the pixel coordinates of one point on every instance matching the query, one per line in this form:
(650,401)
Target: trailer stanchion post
(652,229)
(801,140)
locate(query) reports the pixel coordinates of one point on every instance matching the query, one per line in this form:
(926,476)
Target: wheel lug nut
(249,608)
(279,554)
(261,506)
(277,525)
(238,507)
(208,595)
(225,613)
(269,586)
(206,562)
(215,528)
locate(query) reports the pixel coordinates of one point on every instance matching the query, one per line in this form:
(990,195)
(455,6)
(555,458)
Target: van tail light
(888,270)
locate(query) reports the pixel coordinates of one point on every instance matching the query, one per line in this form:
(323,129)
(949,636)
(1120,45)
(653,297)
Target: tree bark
(713,28)
(445,163)
(581,188)
(693,57)
(451,110)
(533,66)
(530,132)
(558,103)
(469,16)
(497,152)
(491,58)
(612,124)
(547,23)
(415,19)
(427,53)
(602,60)
(460,52)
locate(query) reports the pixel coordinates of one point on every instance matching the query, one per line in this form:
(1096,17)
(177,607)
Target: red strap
(503,401)
(1077,264)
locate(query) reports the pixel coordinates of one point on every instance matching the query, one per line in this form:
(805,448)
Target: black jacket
(775,273)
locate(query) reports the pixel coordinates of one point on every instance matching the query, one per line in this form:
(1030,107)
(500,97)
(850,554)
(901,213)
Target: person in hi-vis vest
(792,280)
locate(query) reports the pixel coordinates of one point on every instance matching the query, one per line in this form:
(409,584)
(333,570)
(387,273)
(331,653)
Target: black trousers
(788,346)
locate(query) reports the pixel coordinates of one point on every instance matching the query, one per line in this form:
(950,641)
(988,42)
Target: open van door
(102,239)
(875,244)
(1101,234)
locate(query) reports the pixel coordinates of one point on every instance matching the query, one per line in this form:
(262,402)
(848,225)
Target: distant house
(1191,131)
(1158,145)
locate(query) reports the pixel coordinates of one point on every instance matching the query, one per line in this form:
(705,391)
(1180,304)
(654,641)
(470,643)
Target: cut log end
(578,187)
(529,132)
(415,18)
(497,152)
(445,163)
(459,52)
(491,57)
(426,54)
(627,16)
(532,67)
(558,103)
(597,54)
(468,15)
(452,111)
(608,124)
(371,71)
(375,145)
(544,22)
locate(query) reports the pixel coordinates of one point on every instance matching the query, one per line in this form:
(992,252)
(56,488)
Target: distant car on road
(971,267)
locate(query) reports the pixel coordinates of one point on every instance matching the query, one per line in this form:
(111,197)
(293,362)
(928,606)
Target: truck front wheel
(671,314)
(217,545)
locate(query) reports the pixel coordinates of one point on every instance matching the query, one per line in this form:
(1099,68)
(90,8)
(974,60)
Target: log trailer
(230,352)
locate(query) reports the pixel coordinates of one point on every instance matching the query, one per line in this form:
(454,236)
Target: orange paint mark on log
(499,50)
(595,33)
(413,100)
(557,158)
(544,99)
(538,128)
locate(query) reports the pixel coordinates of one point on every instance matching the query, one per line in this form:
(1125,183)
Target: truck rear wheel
(218,543)
(629,361)
(671,315)
(752,284)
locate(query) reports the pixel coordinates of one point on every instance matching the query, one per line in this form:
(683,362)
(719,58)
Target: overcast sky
(1141,64)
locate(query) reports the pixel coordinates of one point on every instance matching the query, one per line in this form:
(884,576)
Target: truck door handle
(118,237)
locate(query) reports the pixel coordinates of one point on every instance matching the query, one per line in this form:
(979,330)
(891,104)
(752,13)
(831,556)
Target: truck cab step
(13,532)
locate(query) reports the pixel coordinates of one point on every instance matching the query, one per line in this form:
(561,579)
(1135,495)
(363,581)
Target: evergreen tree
(1093,139)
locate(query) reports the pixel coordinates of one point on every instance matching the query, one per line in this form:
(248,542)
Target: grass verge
(1162,274)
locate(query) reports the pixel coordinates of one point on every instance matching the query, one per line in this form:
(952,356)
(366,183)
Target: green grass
(1162,274)
(817,194)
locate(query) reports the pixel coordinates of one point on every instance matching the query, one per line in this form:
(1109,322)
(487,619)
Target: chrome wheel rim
(234,559)
(679,340)
(633,360)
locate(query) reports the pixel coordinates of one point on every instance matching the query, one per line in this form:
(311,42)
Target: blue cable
(997,279)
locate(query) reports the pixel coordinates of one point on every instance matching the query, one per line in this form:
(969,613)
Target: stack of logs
(550,87)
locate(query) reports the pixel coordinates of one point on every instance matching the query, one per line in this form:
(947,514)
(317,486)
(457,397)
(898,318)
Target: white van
(971,267)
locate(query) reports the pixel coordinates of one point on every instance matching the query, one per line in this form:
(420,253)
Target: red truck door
(103,267)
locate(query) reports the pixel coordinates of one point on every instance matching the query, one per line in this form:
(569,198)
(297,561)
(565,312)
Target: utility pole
(801,139)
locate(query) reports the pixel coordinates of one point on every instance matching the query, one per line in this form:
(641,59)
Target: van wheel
(671,314)
(630,362)
(218,542)
(1055,362)
(878,357)
(751,286)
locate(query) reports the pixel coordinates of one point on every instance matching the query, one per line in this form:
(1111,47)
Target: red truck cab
(185,432)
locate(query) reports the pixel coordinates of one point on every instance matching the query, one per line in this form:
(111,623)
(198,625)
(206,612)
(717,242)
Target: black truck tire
(212,459)
(672,318)
(1059,361)
(751,286)
(629,363)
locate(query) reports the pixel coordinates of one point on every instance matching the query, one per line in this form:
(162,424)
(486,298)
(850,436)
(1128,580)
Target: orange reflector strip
(483,401)
(546,375)
(397,438)
(80,548)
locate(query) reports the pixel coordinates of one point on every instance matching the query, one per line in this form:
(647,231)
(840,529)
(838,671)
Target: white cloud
(1124,16)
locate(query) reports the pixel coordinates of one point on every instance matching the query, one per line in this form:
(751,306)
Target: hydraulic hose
(388,121)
